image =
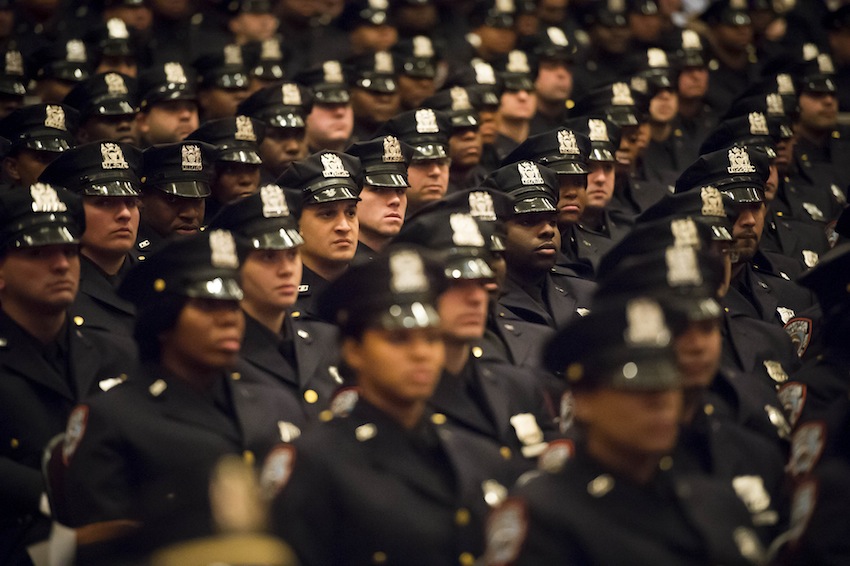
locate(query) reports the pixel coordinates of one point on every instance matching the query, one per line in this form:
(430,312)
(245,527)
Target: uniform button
(466,559)
(78,320)
(379,557)
(462,517)
(726,309)
(295,314)
(708,409)
(665,463)
(141,258)
(3,342)
(477,352)
(438,418)
(248,457)
(15,443)
(505,452)
(171,495)
(159,285)
(326,416)
(235,376)
(311,396)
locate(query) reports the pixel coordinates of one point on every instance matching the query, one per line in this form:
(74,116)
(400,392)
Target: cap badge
(784,84)
(426,121)
(712,202)
(192,159)
(233,55)
(290,95)
(758,124)
(14,63)
(384,62)
(46,199)
(55,117)
(115,83)
(422,46)
(639,84)
(598,130)
(739,161)
(75,51)
(113,156)
(270,50)
(274,201)
(517,62)
(646,326)
(505,6)
(529,173)
(244,129)
(684,232)
(616,6)
(117,29)
(557,36)
(810,51)
(392,150)
(793,397)
(378,4)
(682,266)
(656,57)
(484,73)
(407,272)
(223,250)
(174,73)
(825,65)
(465,230)
(738,4)
(567,144)
(691,40)
(481,206)
(460,99)
(333,166)
(774,104)
(332,70)
(622,95)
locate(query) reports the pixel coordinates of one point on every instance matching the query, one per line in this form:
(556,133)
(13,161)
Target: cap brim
(601,154)
(644,371)
(331,96)
(282,239)
(417,314)
(430,151)
(379,84)
(623,116)
(114,107)
(169,94)
(720,233)
(223,288)
(285,120)
(185,189)
(743,194)
(230,81)
(234,155)
(12,87)
(51,144)
(387,180)
(467,268)
(497,243)
(37,235)
(465,120)
(823,84)
(331,194)
(519,83)
(565,166)
(115,188)
(534,204)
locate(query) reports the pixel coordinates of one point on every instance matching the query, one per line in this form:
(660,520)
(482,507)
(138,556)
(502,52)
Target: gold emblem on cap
(117,28)
(712,202)
(517,62)
(758,124)
(810,51)
(529,173)
(656,58)
(245,129)
(567,143)
(426,121)
(46,199)
(14,63)
(460,99)
(465,230)
(484,73)
(270,50)
(115,83)
(646,325)
(691,39)
(682,266)
(481,206)
(191,158)
(774,104)
(290,94)
(392,150)
(684,232)
(384,62)
(739,161)
(75,51)
(407,272)
(223,250)
(422,46)
(598,130)
(622,95)
(639,84)
(332,71)
(557,36)
(174,73)
(112,156)
(825,65)
(233,55)
(54,117)
(784,84)
(333,166)
(274,201)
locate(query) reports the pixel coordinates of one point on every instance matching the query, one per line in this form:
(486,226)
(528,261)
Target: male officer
(224,82)
(38,134)
(12,82)
(175,181)
(59,65)
(383,200)
(374,93)
(518,101)
(47,364)
(331,120)
(555,55)
(108,104)
(328,184)
(417,62)
(106,175)
(169,104)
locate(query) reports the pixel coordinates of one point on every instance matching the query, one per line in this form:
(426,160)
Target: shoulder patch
(777,419)
(566,412)
(277,470)
(556,455)
(800,331)
(802,508)
(528,432)
(505,532)
(806,448)
(74,432)
(793,398)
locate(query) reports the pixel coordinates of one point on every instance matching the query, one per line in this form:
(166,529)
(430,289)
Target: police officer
(555,54)
(385,482)
(108,104)
(224,81)
(13,82)
(59,66)
(168,111)
(518,101)
(294,353)
(374,93)
(417,61)
(331,120)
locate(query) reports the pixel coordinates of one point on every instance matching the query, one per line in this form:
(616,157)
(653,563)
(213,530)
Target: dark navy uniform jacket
(312,285)
(98,305)
(563,292)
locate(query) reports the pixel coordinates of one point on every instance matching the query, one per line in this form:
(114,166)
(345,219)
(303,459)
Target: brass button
(248,457)
(78,320)
(477,352)
(438,418)
(505,452)
(708,409)
(379,557)
(466,559)
(15,443)
(326,415)
(462,517)
(665,463)
(159,285)
(295,314)
(311,396)
(235,376)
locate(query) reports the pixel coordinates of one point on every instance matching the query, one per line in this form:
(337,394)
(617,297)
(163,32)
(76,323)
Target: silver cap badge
(333,166)
(739,161)
(465,230)
(191,158)
(113,156)
(46,199)
(274,201)
(223,250)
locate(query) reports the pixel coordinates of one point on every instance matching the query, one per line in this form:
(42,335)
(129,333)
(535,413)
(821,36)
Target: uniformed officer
(115,47)
(627,400)
(59,66)
(38,134)
(331,120)
(328,184)
(428,131)
(168,110)
(13,82)
(47,364)
(386,481)
(518,101)
(106,175)
(108,104)
(555,54)
(145,451)
(374,92)
(417,61)
(237,160)
(175,183)
(604,60)
(224,81)
(283,108)
(383,199)
(265,60)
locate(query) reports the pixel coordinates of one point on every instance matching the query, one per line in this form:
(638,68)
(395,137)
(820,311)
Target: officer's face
(632,143)
(9,104)
(381,211)
(611,39)
(496,41)
(735,38)
(693,82)
(110,128)
(818,111)
(374,107)
(518,105)
(247,27)
(369,38)
(206,337)
(698,353)
(168,214)
(234,181)
(396,368)
(429,181)
(532,242)
(600,184)
(169,121)
(270,280)
(624,424)
(646,28)
(330,232)
(112,224)
(282,146)
(664,106)
(27,165)
(329,126)
(53,91)
(747,230)
(465,147)
(784,153)
(554,81)
(771,186)
(118,64)
(572,199)
(723,250)
(41,279)
(218,102)
(414,90)
(488,125)
(463,311)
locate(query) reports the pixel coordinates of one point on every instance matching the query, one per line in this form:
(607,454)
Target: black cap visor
(378,83)
(467,267)
(563,166)
(331,191)
(428,151)
(280,239)
(239,155)
(50,143)
(386,179)
(113,188)
(331,94)
(602,152)
(49,231)
(284,118)
(185,189)
(224,288)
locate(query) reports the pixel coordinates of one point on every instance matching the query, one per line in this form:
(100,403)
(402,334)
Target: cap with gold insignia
(13,78)
(224,68)
(283,105)
(607,13)
(328,82)
(416,57)
(654,66)
(40,215)
(374,72)
(396,290)
(105,94)
(618,103)
(460,103)
(384,161)
(830,279)
(532,187)
(480,78)
(604,137)
(168,81)
(553,44)
(359,13)
(625,346)
(706,205)
(751,130)
(236,139)
(690,49)
(772,105)
(516,71)
(739,172)
(326,176)
(426,129)
(97,169)
(65,60)
(564,151)
(729,12)
(265,59)
(203,265)
(114,38)
(263,221)
(492,13)
(42,127)
(182,169)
